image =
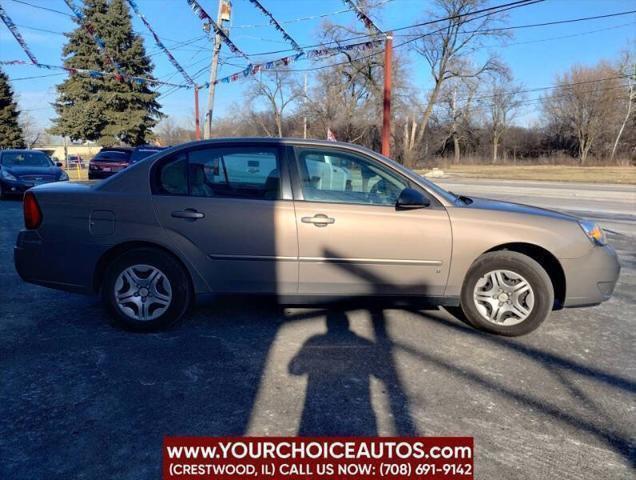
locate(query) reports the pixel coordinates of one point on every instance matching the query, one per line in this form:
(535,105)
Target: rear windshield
(142,153)
(25,159)
(112,156)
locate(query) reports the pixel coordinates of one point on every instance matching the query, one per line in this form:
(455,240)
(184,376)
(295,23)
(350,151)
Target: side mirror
(59,164)
(411,199)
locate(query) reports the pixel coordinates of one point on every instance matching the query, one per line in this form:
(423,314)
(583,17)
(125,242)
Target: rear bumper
(48,265)
(591,279)
(97,174)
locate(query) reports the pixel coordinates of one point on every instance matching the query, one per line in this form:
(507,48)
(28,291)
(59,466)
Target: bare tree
(31,131)
(500,106)
(277,90)
(447,46)
(627,66)
(456,110)
(170,132)
(582,104)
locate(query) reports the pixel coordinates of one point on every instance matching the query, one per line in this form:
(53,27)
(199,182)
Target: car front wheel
(146,289)
(507,293)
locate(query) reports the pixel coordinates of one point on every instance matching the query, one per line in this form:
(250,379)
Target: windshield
(112,156)
(26,159)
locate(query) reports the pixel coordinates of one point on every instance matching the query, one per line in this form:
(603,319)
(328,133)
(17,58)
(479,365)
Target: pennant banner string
(203,15)
(276,25)
(16,33)
(159,43)
(94,73)
(284,61)
(368,23)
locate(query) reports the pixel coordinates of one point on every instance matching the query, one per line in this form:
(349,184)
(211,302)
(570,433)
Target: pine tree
(106,109)
(10,131)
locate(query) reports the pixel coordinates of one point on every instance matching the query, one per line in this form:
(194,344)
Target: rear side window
(173,176)
(235,172)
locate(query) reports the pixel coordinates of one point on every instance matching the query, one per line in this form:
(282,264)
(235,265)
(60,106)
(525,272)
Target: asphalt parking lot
(81,399)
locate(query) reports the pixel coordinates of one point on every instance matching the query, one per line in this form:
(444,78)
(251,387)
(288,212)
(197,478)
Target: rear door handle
(319,220)
(188,213)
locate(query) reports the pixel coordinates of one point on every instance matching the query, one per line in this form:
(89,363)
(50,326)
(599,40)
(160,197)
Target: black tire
(522,265)
(174,272)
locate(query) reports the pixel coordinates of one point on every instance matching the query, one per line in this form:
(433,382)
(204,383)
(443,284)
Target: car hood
(510,207)
(19,171)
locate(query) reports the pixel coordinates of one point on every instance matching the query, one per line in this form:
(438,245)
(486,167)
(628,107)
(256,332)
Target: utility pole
(223,15)
(197,127)
(305,116)
(386,115)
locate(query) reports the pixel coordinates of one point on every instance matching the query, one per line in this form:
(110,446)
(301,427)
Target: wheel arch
(109,255)
(547,260)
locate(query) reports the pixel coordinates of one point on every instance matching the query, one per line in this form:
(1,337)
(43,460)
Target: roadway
(80,398)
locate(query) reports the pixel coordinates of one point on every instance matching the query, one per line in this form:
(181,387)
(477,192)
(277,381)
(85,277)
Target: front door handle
(188,213)
(319,220)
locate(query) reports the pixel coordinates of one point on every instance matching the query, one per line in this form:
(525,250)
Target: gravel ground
(81,399)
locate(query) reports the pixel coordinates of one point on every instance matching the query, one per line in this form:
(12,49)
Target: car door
(232,203)
(352,239)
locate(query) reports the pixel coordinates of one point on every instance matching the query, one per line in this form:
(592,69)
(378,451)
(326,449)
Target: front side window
(237,172)
(336,177)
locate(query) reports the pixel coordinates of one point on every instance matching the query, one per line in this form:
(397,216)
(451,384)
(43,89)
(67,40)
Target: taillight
(32,212)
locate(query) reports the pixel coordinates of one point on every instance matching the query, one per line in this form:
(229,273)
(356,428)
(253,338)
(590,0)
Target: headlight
(63,177)
(7,176)
(594,232)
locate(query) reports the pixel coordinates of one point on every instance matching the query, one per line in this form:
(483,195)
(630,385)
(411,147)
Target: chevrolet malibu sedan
(307,222)
(23,169)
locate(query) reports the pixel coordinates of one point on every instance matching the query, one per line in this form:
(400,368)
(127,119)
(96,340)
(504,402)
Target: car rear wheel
(146,289)
(507,293)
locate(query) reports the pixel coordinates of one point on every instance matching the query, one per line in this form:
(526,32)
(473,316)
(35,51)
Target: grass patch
(556,173)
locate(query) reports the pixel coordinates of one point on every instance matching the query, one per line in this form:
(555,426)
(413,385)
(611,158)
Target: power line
(37,76)
(564,86)
(310,17)
(419,36)
(580,34)
(40,7)
(533,25)
(485,11)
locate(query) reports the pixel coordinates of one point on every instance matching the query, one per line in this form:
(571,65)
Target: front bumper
(18,187)
(9,187)
(591,279)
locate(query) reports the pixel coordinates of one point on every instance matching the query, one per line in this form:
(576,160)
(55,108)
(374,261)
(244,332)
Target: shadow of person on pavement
(339,365)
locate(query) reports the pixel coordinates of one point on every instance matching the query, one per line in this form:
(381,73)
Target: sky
(535,55)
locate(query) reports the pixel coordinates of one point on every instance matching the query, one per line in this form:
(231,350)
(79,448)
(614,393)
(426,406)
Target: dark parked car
(23,169)
(306,221)
(74,161)
(111,160)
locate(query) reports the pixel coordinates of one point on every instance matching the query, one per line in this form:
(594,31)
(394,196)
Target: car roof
(273,141)
(20,150)
(149,147)
(116,149)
